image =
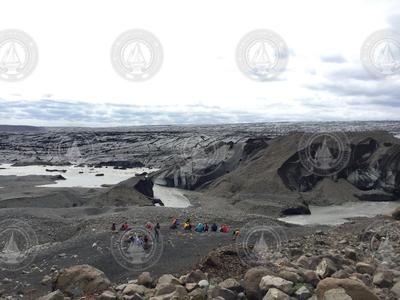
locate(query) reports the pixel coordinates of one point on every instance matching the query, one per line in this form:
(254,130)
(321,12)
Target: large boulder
(275,294)
(268,282)
(145,279)
(231,284)
(133,288)
(195,276)
(336,294)
(326,268)
(179,293)
(226,294)
(80,280)
(168,279)
(365,268)
(252,280)
(396,289)
(396,214)
(354,288)
(56,295)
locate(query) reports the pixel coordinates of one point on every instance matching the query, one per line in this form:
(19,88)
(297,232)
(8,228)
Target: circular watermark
(76,150)
(18,243)
(380,53)
(18,55)
(137,248)
(382,239)
(201,155)
(260,244)
(137,55)
(324,154)
(262,55)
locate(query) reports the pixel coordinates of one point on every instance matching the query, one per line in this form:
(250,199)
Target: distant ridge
(20,128)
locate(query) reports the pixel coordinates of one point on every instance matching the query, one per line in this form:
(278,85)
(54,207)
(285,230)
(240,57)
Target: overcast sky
(74,82)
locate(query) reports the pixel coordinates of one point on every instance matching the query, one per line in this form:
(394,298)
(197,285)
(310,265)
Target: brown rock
(383,279)
(252,280)
(56,295)
(81,279)
(336,294)
(365,268)
(354,288)
(145,279)
(396,214)
(275,294)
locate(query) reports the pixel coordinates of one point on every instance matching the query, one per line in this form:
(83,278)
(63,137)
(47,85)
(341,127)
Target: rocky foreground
(333,264)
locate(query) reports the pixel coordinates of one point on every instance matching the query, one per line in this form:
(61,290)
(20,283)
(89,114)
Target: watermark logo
(260,244)
(380,53)
(382,238)
(137,248)
(324,154)
(77,150)
(137,55)
(200,154)
(18,243)
(18,55)
(262,55)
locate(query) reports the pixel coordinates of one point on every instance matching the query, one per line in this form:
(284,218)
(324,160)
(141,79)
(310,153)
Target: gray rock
(169,279)
(365,268)
(252,280)
(383,279)
(231,284)
(268,282)
(336,294)
(303,293)
(226,294)
(396,289)
(108,295)
(56,295)
(275,294)
(326,268)
(145,279)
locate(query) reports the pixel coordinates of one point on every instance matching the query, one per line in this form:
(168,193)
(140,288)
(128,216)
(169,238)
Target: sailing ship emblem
(323,156)
(136,55)
(260,249)
(136,61)
(262,55)
(11,254)
(260,60)
(74,154)
(135,251)
(385,251)
(11,61)
(18,55)
(386,61)
(380,53)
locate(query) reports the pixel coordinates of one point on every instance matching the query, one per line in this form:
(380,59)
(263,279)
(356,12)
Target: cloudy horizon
(199,82)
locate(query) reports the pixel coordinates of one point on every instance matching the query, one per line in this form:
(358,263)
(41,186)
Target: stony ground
(343,262)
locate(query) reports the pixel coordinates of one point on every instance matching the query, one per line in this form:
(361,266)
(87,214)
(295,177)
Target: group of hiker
(149,226)
(175,224)
(200,227)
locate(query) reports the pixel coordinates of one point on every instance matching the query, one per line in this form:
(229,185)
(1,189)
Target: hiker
(157,231)
(236,233)
(125,226)
(146,244)
(214,227)
(174,224)
(205,227)
(149,226)
(187,225)
(113,227)
(224,228)
(199,228)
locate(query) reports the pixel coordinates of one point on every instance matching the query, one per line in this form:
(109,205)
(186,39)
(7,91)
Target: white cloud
(199,70)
